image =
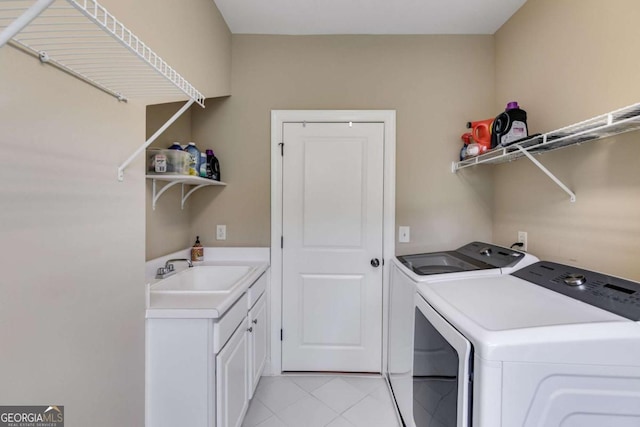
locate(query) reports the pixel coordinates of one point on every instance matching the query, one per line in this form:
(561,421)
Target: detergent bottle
(509,126)
(481,132)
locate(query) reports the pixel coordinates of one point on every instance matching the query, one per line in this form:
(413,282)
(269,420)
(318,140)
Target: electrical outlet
(522,238)
(221,232)
(404,234)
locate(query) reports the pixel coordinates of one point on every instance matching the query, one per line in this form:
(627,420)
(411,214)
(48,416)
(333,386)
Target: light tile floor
(321,401)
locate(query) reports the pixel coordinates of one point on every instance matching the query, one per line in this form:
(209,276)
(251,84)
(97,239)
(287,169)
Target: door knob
(375,262)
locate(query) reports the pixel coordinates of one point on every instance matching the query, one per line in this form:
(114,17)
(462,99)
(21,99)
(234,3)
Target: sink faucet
(168,268)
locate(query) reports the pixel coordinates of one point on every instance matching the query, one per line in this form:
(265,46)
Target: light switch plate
(221,232)
(404,234)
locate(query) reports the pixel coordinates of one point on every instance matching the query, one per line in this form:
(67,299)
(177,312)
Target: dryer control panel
(619,296)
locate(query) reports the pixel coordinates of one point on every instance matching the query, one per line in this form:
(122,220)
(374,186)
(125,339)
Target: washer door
(442,381)
(441,263)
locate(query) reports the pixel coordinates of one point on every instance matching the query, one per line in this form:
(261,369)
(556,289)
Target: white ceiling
(366,16)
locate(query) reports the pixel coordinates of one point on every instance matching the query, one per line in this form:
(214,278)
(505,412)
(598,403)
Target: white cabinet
(232,380)
(202,372)
(257,342)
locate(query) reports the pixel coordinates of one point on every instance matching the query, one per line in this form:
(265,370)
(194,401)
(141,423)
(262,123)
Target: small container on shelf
(197,251)
(213,166)
(194,165)
(167,162)
(203,165)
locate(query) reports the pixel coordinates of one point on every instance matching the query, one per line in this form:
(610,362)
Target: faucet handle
(169,267)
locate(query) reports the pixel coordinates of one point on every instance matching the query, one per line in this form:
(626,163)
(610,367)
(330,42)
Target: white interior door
(332,232)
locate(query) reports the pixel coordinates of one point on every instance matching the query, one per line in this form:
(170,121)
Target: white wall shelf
(184,180)
(83,39)
(619,121)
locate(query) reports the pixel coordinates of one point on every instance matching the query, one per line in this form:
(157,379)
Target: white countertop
(202,304)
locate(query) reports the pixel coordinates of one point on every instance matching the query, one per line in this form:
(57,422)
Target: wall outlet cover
(404,234)
(221,232)
(522,238)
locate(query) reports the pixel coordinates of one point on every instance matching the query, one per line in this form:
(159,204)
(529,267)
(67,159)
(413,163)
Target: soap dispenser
(197,251)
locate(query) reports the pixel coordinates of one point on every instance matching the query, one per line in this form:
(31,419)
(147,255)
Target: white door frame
(278,118)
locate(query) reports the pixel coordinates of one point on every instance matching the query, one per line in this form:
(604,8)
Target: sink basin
(209,279)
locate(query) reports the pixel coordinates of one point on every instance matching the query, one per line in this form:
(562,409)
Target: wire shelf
(624,120)
(82,38)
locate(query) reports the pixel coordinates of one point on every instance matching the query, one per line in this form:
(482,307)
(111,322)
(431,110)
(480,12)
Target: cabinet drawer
(257,289)
(224,327)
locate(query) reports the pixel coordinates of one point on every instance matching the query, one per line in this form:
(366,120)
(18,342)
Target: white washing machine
(547,346)
(476,259)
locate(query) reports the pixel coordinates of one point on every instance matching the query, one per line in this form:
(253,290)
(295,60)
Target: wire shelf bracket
(153,137)
(193,190)
(157,194)
(572,196)
(183,180)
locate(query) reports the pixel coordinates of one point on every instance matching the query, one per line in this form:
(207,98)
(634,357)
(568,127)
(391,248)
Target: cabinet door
(232,379)
(257,342)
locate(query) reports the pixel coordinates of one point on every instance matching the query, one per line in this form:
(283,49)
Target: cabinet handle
(250,329)
(254,321)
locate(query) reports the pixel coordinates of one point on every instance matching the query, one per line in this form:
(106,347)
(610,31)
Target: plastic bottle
(197,251)
(213,166)
(203,165)
(509,126)
(481,132)
(194,163)
(176,146)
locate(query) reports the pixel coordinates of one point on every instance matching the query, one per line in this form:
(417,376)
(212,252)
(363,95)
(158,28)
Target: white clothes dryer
(475,259)
(547,346)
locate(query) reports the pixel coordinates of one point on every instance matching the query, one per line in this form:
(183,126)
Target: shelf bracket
(193,190)
(153,137)
(25,19)
(157,195)
(559,183)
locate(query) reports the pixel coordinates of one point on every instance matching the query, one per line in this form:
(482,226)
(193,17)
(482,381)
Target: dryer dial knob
(574,279)
(486,251)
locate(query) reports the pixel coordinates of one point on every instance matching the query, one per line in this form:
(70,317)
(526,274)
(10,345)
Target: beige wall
(566,61)
(167,227)
(435,83)
(72,292)
(72,236)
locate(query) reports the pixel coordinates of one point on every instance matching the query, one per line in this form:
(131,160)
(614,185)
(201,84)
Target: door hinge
(281,334)
(281,148)
(281,242)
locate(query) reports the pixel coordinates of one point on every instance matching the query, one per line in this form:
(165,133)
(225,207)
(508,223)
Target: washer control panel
(619,296)
(496,256)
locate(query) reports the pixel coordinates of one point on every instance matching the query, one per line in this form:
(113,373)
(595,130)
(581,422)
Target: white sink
(205,279)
